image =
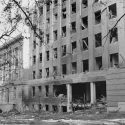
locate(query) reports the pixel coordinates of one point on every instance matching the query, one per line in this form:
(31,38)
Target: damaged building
(72,66)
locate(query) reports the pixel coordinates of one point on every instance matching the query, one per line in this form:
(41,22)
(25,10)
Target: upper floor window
(64,69)
(97,17)
(33,91)
(55,53)
(34,59)
(84,3)
(47,55)
(55,35)
(64,31)
(112,11)
(84,23)
(98,63)
(74,67)
(63,50)
(34,74)
(47,38)
(85,65)
(74,46)
(98,40)
(73,27)
(114,60)
(34,44)
(113,35)
(55,2)
(63,13)
(73,7)
(55,17)
(40,57)
(85,44)
(41,10)
(40,73)
(47,72)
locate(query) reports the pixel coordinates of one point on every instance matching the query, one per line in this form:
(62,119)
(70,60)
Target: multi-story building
(80,44)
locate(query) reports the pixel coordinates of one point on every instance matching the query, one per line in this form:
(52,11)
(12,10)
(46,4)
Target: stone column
(69,97)
(93,92)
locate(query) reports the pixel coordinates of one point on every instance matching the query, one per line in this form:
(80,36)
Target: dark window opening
(40,73)
(55,35)
(84,23)
(34,59)
(64,108)
(73,6)
(73,27)
(85,44)
(63,13)
(40,88)
(84,3)
(41,10)
(47,55)
(98,63)
(33,91)
(47,107)
(97,17)
(114,61)
(63,50)
(64,31)
(112,11)
(48,6)
(74,67)
(96,1)
(34,44)
(47,20)
(55,108)
(113,35)
(40,57)
(47,72)
(55,53)
(60,91)
(98,40)
(40,107)
(74,46)
(47,38)
(55,2)
(54,71)
(85,65)
(55,17)
(64,69)
(41,41)
(47,90)
(34,74)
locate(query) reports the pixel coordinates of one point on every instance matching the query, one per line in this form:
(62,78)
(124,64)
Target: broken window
(64,31)
(63,13)
(85,65)
(55,17)
(113,35)
(47,38)
(34,44)
(98,17)
(47,107)
(98,40)
(73,27)
(63,50)
(74,67)
(84,3)
(40,73)
(73,7)
(47,72)
(34,59)
(40,57)
(60,91)
(55,53)
(64,69)
(47,90)
(33,91)
(40,89)
(84,23)
(112,11)
(55,34)
(98,63)
(114,61)
(34,74)
(85,44)
(54,71)
(47,55)
(74,46)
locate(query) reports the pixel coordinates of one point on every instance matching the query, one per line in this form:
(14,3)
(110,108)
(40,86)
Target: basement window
(47,38)
(84,23)
(33,91)
(40,57)
(73,27)
(85,65)
(54,71)
(73,7)
(98,63)
(55,34)
(74,67)
(114,62)
(84,3)
(40,73)
(112,11)
(64,13)
(47,55)
(34,74)
(47,90)
(60,91)
(85,44)
(34,59)
(64,69)
(64,31)
(47,107)
(74,47)
(113,35)
(98,40)
(55,53)
(98,17)
(47,72)
(63,50)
